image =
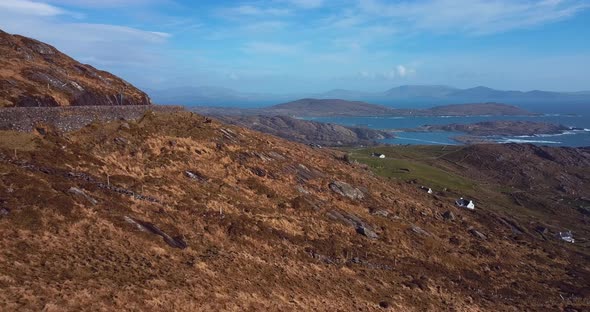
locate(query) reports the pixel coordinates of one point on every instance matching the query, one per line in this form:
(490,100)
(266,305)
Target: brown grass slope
(307,131)
(33,73)
(254,224)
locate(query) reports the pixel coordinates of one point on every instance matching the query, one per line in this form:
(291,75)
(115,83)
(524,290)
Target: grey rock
(176,241)
(4,211)
(419,230)
(120,141)
(350,219)
(365,230)
(477,233)
(449,215)
(79,192)
(302,190)
(346,190)
(195,176)
(381,213)
(125,126)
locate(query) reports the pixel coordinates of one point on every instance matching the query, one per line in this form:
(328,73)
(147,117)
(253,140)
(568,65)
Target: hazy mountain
(407,96)
(409,91)
(328,107)
(342,94)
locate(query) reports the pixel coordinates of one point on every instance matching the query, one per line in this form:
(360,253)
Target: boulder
(346,190)
(419,230)
(79,192)
(4,211)
(449,215)
(477,233)
(195,176)
(365,230)
(380,212)
(120,141)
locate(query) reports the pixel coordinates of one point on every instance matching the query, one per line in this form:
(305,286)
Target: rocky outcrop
(309,132)
(346,190)
(35,74)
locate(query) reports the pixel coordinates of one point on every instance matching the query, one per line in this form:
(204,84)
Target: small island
(488,131)
(500,128)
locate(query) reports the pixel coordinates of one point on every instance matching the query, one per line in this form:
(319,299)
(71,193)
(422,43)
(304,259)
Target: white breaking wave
(425,141)
(527,141)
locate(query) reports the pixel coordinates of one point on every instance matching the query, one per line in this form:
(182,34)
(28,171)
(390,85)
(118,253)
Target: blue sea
(568,138)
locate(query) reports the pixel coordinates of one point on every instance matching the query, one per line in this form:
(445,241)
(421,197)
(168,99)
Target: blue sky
(290,46)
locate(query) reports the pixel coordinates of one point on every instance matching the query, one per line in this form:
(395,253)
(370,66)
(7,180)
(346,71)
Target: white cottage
(464,203)
(566,236)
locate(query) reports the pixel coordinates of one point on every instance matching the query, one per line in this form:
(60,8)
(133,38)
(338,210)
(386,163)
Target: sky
(290,46)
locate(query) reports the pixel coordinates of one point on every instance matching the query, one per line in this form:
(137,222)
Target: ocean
(568,138)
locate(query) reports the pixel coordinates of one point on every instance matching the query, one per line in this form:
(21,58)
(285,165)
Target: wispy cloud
(108,3)
(397,72)
(101,44)
(26,7)
(472,16)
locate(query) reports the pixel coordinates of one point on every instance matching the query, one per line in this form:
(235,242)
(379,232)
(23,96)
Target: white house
(378,155)
(566,236)
(464,203)
(427,189)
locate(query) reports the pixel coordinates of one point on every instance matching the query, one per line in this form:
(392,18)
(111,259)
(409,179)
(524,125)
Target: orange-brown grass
(254,241)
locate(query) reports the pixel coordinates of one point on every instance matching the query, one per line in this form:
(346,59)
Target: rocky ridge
(33,73)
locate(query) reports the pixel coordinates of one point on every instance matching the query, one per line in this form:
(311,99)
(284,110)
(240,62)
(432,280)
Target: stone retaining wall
(73,117)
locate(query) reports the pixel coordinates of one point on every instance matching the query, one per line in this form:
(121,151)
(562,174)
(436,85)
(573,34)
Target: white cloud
(27,7)
(473,16)
(398,72)
(99,44)
(401,70)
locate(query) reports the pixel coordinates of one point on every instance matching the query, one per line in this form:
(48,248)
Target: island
(500,128)
(343,108)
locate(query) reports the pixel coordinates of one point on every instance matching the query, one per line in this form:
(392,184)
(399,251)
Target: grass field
(410,163)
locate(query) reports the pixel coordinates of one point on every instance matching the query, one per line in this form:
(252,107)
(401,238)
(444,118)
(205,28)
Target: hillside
(308,132)
(343,108)
(537,191)
(33,73)
(177,212)
(405,96)
(328,108)
(500,128)
(495,109)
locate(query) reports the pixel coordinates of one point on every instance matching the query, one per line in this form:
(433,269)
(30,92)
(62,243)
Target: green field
(412,163)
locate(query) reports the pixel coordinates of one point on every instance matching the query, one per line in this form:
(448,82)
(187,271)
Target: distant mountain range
(414,96)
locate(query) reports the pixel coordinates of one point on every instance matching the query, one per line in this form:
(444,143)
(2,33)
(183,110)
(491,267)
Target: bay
(568,138)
